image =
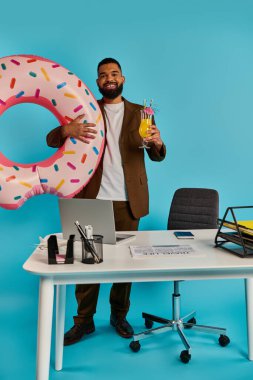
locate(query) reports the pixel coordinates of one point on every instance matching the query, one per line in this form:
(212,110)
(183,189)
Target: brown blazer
(132,161)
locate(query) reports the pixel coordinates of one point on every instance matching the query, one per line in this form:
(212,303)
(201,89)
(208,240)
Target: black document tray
(236,238)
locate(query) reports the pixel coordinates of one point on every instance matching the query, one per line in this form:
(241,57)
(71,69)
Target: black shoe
(77,332)
(123,328)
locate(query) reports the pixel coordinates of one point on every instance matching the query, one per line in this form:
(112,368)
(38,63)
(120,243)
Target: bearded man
(120,177)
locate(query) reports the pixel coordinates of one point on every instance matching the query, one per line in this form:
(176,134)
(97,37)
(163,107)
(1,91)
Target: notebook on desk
(95,212)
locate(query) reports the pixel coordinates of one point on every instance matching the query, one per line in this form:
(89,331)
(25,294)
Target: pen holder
(97,244)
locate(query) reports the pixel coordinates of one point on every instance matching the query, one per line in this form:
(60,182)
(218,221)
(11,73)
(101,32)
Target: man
(120,177)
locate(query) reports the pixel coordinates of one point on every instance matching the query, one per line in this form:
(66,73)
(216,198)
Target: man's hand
(76,129)
(154,137)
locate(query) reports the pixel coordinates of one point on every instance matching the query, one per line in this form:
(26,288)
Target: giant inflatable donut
(32,79)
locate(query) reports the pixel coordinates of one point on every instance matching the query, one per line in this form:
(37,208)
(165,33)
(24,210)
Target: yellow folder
(245,226)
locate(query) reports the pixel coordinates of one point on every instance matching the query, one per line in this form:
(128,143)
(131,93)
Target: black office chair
(190,209)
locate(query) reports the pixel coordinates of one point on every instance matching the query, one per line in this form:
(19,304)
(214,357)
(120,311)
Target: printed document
(160,250)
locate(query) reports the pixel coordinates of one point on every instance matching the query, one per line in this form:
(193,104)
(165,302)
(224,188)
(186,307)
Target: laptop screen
(95,212)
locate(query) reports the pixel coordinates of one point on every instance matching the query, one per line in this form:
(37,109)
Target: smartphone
(184,234)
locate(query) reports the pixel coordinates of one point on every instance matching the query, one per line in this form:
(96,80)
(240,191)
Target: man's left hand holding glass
(154,137)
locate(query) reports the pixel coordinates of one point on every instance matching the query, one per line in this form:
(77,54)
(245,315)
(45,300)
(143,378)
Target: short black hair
(105,61)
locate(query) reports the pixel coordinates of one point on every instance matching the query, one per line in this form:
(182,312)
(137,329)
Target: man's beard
(111,94)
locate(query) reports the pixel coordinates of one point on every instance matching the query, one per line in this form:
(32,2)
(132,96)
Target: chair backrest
(194,208)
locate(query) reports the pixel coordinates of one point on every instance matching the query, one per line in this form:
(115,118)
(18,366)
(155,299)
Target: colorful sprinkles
(10,178)
(99,118)
(60,184)
(68,95)
(15,62)
(84,156)
(37,93)
(69,152)
(71,166)
(31,60)
(78,108)
(31,78)
(25,184)
(12,84)
(73,140)
(45,74)
(21,93)
(92,106)
(61,85)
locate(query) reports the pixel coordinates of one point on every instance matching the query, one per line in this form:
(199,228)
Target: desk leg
(249,307)
(60,319)
(46,300)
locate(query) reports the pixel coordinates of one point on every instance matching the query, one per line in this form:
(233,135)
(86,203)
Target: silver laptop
(95,212)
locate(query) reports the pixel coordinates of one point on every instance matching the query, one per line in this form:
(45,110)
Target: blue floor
(104,355)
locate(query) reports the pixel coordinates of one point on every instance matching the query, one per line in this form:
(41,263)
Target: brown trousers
(87,295)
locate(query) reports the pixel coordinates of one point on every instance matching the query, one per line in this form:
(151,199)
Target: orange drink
(144,127)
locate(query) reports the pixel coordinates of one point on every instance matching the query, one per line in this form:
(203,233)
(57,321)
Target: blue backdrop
(193,57)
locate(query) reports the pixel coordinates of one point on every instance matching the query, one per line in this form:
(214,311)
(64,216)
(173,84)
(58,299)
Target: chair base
(177,324)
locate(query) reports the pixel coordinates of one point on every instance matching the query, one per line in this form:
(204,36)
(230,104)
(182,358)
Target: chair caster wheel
(185,357)
(224,340)
(135,346)
(193,321)
(148,323)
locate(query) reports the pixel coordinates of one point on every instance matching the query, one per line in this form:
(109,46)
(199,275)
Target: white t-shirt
(113,185)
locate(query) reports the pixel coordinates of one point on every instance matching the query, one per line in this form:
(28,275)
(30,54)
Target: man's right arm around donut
(76,129)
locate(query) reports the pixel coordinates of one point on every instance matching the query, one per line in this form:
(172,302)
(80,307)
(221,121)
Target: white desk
(206,262)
